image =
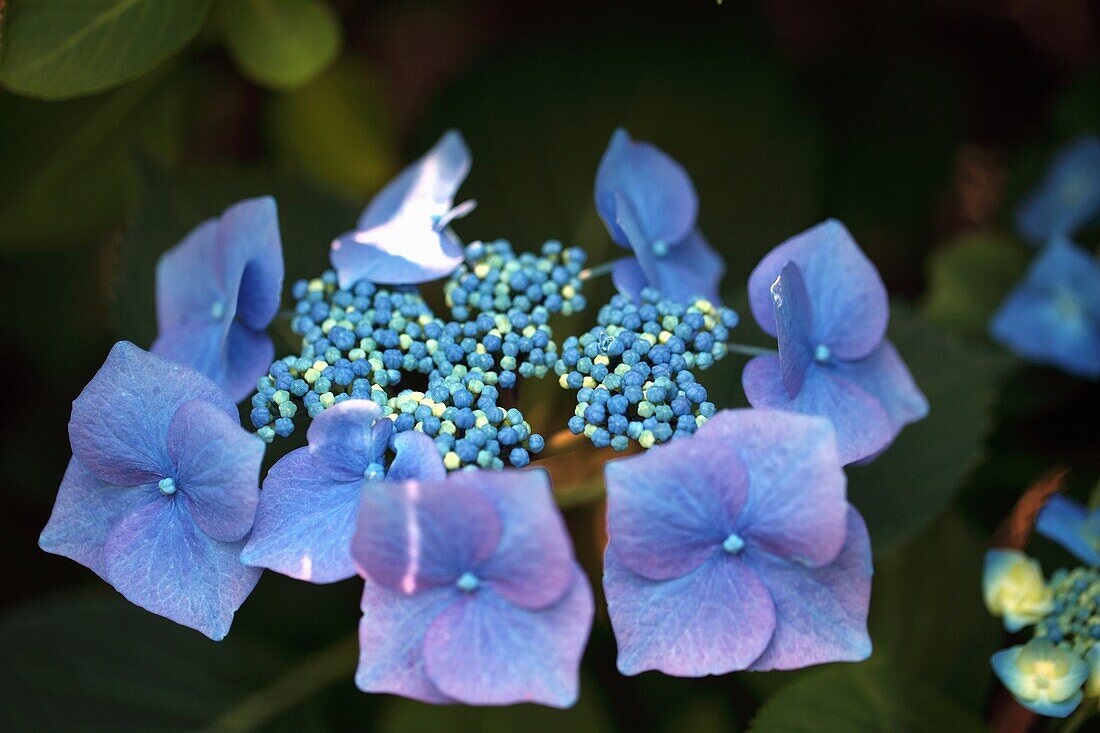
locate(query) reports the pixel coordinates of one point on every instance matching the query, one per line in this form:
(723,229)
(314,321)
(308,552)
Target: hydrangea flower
(217,291)
(402,236)
(824,300)
(161,490)
(1053,316)
(1014,588)
(736,549)
(308,508)
(1072,526)
(1068,197)
(1043,677)
(472,594)
(649,205)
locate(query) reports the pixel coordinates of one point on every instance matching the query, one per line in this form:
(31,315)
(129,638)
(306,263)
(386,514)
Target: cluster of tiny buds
(1074,621)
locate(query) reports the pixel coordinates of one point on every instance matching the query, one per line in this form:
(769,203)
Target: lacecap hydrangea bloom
(1015,589)
(1053,315)
(1073,526)
(217,292)
(1043,677)
(736,549)
(649,205)
(825,302)
(161,491)
(472,594)
(1067,198)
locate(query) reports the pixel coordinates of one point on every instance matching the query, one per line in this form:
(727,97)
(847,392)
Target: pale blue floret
(167,486)
(1068,196)
(1042,677)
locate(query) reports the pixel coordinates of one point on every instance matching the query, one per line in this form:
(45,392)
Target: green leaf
(57,49)
(280,44)
(336,129)
(903,489)
(968,278)
(98,663)
(868,697)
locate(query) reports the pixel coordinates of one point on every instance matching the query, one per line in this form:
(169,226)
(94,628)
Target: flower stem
(598,271)
(333,663)
(1074,722)
(747,350)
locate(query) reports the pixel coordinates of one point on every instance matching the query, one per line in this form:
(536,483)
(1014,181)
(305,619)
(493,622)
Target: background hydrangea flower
(736,549)
(308,508)
(161,490)
(1014,588)
(1067,197)
(217,291)
(472,594)
(1042,677)
(648,203)
(824,300)
(1072,526)
(402,236)
(1053,316)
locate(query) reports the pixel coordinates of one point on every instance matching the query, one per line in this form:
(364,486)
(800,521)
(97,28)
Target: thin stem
(330,665)
(749,350)
(598,271)
(1084,712)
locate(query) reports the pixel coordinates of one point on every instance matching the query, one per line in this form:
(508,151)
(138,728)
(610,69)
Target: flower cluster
(1060,665)
(471,592)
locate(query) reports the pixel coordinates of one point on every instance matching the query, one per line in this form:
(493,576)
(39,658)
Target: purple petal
(119,424)
(486,651)
(199,344)
(689,271)
(411,535)
(391,637)
(863,426)
(796,507)
(628,278)
(252,260)
(416,457)
(186,285)
(884,376)
(248,355)
(532,566)
(1067,197)
(670,508)
(847,297)
(304,522)
(639,186)
(1072,526)
(85,512)
(347,438)
(159,559)
(794,326)
(821,612)
(716,619)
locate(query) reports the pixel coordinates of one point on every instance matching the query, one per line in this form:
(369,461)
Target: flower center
(467,582)
(660,248)
(733,544)
(167,486)
(217,309)
(822,353)
(375,472)
(1068,306)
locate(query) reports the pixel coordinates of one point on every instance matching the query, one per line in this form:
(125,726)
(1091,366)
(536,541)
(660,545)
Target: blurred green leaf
(969,276)
(902,490)
(1078,109)
(336,129)
(98,663)
(58,49)
(280,44)
(868,697)
(927,613)
(409,716)
(173,203)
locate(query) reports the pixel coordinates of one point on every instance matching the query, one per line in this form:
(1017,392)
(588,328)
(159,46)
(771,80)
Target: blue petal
(689,271)
(794,324)
(485,651)
(716,619)
(847,296)
(884,376)
(640,187)
(217,466)
(1067,197)
(411,536)
(400,238)
(1006,665)
(119,425)
(1072,526)
(248,355)
(159,559)
(1053,316)
(85,512)
(670,508)
(821,614)
(186,286)
(391,637)
(304,522)
(796,507)
(416,457)
(347,438)
(252,260)
(863,426)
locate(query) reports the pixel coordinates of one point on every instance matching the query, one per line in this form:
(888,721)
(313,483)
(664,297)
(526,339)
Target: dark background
(919,124)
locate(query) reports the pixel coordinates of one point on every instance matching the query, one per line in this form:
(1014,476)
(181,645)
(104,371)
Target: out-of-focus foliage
(968,278)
